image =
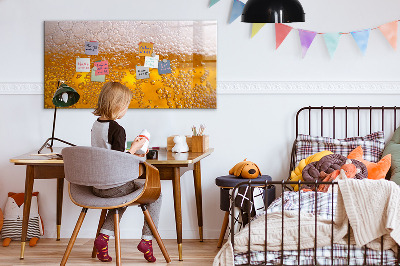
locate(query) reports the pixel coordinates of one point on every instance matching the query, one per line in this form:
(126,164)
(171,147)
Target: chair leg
(117,239)
(101,222)
(223,229)
(154,230)
(73,237)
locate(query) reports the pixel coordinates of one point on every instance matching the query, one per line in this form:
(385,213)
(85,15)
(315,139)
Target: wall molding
(309,87)
(21,88)
(260,87)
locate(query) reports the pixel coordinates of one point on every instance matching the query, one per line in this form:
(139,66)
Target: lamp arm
(54,126)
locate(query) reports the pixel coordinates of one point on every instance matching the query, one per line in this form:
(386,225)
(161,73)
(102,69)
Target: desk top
(164,157)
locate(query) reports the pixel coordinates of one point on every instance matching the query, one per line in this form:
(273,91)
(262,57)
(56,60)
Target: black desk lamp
(63,97)
(273,11)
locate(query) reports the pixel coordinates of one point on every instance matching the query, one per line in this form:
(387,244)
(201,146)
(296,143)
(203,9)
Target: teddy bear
(245,169)
(180,144)
(13,215)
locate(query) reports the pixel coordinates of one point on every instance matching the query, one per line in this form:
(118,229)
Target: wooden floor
(50,252)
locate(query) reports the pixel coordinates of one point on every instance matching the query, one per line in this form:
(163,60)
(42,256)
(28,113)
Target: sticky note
(151,61)
(82,64)
(97,78)
(145,49)
(92,48)
(142,72)
(164,67)
(102,67)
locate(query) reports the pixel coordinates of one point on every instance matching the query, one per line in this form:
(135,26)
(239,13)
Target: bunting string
(343,33)
(361,37)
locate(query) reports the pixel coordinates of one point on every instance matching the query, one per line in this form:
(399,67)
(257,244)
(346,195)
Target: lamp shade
(273,11)
(65,96)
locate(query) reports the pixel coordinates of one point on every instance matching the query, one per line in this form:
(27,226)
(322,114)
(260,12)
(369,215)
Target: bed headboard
(344,121)
(344,118)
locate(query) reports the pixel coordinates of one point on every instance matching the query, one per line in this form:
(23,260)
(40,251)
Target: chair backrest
(92,166)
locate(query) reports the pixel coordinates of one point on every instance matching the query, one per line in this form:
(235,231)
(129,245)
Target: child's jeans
(154,208)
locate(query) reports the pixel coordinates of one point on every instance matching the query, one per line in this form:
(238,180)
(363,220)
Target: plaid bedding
(372,145)
(323,207)
(324,257)
(306,202)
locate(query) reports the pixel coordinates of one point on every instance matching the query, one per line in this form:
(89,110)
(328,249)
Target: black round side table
(228,182)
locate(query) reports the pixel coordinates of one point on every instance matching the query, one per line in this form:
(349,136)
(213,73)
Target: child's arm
(136,145)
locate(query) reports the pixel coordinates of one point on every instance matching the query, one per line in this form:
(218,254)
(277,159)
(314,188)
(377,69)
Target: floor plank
(49,252)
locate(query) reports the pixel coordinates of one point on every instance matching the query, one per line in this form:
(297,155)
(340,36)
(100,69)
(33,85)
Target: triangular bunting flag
(390,32)
(237,9)
(361,38)
(332,41)
(306,39)
(255,28)
(213,2)
(281,31)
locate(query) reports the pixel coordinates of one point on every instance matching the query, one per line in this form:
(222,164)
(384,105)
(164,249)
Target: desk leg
(176,182)
(27,206)
(199,204)
(60,190)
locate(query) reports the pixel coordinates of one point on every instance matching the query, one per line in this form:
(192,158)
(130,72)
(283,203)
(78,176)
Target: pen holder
(200,143)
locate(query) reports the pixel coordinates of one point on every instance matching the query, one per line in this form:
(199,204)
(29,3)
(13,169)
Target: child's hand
(137,144)
(142,155)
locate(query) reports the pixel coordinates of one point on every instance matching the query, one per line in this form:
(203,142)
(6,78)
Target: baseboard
(259,87)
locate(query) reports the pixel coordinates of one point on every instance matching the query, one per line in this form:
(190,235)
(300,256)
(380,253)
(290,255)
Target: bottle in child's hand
(144,134)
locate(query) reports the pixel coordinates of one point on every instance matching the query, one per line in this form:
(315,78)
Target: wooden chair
(85,167)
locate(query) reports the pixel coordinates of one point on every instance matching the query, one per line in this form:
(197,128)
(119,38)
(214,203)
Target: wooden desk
(171,167)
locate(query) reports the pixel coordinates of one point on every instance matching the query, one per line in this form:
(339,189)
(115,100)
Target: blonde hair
(112,99)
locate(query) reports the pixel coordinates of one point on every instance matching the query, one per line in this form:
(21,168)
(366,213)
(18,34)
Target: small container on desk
(152,154)
(171,143)
(200,143)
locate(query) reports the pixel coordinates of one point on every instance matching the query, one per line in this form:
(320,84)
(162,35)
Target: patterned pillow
(372,145)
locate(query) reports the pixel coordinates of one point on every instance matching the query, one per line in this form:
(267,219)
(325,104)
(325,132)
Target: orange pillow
(375,170)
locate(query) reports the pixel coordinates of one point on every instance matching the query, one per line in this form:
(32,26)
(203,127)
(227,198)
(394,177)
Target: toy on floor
(245,169)
(13,215)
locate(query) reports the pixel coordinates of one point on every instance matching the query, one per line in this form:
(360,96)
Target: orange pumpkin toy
(245,169)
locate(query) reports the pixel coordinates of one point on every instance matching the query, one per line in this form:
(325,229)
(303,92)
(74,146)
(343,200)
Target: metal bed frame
(284,184)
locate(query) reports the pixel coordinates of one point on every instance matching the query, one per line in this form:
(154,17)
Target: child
(106,133)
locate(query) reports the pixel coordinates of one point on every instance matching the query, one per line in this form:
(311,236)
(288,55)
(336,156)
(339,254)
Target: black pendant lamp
(273,11)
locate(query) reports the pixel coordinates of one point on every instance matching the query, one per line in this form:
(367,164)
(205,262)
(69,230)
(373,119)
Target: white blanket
(371,206)
(373,209)
(274,235)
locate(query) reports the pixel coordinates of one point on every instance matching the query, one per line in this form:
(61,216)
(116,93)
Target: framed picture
(166,64)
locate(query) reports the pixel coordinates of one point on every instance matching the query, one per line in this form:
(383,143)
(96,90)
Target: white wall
(258,127)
